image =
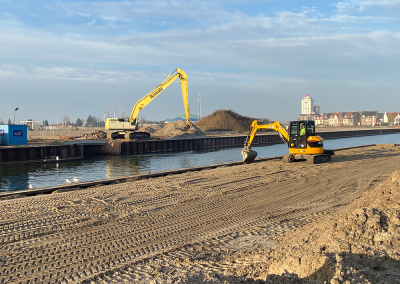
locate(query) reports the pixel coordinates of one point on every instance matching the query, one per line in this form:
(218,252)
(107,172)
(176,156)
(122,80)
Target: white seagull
(68,181)
(30,186)
(75,179)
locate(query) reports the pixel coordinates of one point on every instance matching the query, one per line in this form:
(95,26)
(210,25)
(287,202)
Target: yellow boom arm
(275,126)
(248,154)
(153,94)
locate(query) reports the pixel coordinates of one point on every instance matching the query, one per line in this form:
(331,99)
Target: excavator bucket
(248,155)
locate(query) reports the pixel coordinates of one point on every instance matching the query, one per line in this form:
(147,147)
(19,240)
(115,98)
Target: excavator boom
(126,128)
(133,118)
(248,154)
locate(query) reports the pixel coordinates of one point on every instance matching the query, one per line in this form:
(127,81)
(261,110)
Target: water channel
(107,166)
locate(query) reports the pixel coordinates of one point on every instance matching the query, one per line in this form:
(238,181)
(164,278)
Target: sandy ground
(267,222)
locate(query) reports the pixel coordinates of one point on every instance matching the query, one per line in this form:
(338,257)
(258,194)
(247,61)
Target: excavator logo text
(156,92)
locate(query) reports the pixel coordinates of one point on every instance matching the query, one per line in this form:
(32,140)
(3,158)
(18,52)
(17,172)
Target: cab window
(293,129)
(310,129)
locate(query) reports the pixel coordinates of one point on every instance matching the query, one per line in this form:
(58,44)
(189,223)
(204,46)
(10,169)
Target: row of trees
(92,121)
(2,121)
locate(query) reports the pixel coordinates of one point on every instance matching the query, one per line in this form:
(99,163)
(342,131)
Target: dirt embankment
(359,244)
(268,222)
(225,120)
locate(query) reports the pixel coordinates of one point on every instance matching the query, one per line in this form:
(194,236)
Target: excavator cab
(299,131)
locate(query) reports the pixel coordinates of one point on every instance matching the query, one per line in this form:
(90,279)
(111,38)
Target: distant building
(391,118)
(354,118)
(369,118)
(308,110)
(307,105)
(32,124)
(336,119)
(322,119)
(351,118)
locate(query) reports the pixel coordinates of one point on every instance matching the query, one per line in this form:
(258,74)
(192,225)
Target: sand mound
(97,134)
(147,129)
(359,244)
(226,120)
(178,128)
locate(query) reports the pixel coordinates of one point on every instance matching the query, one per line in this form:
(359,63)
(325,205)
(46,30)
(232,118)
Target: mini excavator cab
(299,131)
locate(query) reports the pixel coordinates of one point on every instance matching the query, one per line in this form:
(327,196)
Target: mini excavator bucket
(248,155)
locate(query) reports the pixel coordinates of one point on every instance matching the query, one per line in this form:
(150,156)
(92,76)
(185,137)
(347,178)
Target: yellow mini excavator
(127,128)
(301,140)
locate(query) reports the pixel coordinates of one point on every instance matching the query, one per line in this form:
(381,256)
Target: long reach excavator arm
(127,128)
(153,94)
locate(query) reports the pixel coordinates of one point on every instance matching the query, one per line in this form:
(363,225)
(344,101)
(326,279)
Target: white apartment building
(307,105)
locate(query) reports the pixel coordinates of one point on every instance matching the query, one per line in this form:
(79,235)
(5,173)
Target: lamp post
(14,113)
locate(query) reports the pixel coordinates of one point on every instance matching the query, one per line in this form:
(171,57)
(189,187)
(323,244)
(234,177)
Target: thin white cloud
(348,6)
(344,52)
(83,14)
(91,22)
(109,19)
(143,9)
(357,19)
(11,70)
(345,7)
(383,4)
(64,73)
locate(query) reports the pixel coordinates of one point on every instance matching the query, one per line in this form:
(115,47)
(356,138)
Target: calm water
(103,167)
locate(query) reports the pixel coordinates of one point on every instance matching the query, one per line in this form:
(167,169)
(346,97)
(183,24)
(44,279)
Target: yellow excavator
(301,140)
(127,128)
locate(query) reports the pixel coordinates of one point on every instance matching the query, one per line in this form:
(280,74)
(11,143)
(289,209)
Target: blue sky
(259,58)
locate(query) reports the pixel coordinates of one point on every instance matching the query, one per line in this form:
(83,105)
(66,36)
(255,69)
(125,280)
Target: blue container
(13,135)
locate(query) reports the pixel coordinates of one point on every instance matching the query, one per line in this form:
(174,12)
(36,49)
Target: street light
(14,114)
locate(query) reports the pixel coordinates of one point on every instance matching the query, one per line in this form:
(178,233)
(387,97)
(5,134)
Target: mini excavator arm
(248,154)
(275,126)
(133,119)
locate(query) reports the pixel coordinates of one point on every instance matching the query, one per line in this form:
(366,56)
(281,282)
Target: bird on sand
(30,186)
(68,181)
(75,179)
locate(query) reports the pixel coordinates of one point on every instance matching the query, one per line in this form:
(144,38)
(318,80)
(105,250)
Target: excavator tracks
(70,237)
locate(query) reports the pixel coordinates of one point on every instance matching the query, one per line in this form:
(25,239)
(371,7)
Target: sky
(258,58)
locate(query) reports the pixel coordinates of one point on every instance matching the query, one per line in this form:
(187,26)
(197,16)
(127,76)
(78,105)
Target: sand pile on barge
(178,129)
